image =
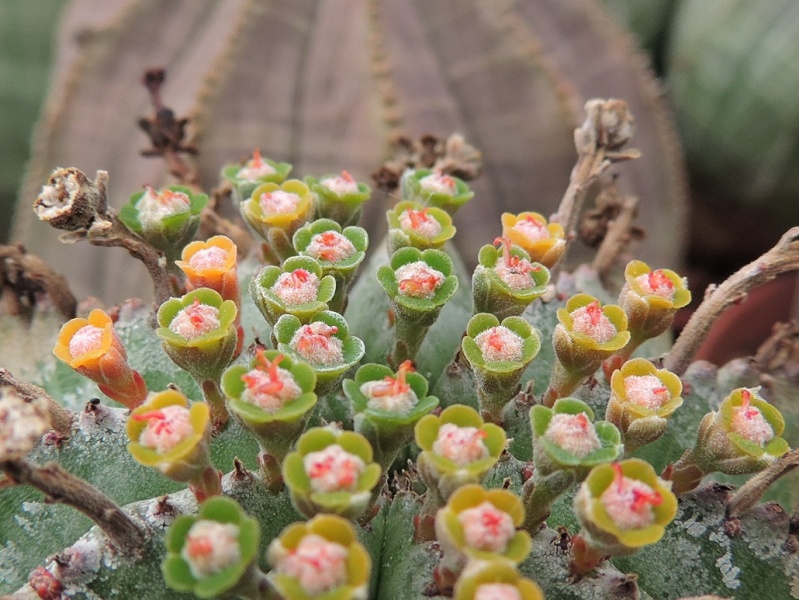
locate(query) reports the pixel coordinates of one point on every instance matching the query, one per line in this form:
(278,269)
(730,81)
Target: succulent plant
(293,426)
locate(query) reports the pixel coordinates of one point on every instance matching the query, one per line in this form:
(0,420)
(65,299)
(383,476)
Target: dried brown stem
(60,417)
(618,236)
(61,486)
(750,493)
(781,258)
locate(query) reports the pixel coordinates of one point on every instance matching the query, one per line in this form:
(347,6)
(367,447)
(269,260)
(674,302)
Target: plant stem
(538,495)
(216,403)
(271,473)
(783,257)
(750,493)
(617,237)
(208,484)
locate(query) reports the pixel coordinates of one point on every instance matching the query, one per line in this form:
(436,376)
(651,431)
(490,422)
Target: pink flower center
(438,183)
(297,287)
(500,344)
(317,343)
(629,502)
(573,433)
(419,222)
(656,283)
(516,272)
(532,229)
(461,445)
(646,390)
(333,469)
(154,206)
(211,547)
(255,168)
(749,422)
(392,394)
(317,564)
(86,339)
(497,591)
(195,320)
(341,186)
(330,246)
(418,280)
(591,321)
(279,202)
(268,386)
(212,257)
(487,528)
(165,429)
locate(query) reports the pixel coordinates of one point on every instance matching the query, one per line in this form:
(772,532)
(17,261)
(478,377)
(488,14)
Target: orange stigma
(418,217)
(256,161)
(658,279)
(394,386)
(512,261)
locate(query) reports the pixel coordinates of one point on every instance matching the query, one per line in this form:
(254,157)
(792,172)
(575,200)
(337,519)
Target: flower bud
(435,189)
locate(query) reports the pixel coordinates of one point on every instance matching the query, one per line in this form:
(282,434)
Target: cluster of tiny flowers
(330,246)
(629,502)
(213,257)
(255,169)
(500,344)
(278,202)
(318,345)
(419,280)
(333,469)
(317,564)
(154,207)
(487,528)
(195,320)
(419,222)
(573,433)
(342,185)
(646,390)
(749,422)
(165,429)
(86,339)
(591,321)
(532,229)
(656,283)
(461,445)
(269,390)
(497,591)
(298,287)
(438,183)
(211,547)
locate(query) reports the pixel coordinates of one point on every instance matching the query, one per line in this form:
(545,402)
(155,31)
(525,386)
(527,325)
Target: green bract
(496,571)
(343,209)
(387,431)
(272,307)
(206,355)
(169,233)
(492,295)
(400,237)
(350,504)
(275,430)
(413,190)
(333,529)
(176,569)
(243,188)
(327,376)
(498,380)
(442,474)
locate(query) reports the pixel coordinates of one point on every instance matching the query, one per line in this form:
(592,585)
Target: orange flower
(92,348)
(544,242)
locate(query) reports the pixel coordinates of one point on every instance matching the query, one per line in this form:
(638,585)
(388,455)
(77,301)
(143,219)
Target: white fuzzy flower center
(317,564)
(195,320)
(517,273)
(330,246)
(384,396)
(333,469)
(279,202)
(154,206)
(318,345)
(573,433)
(461,445)
(646,390)
(500,344)
(629,503)
(255,169)
(418,280)
(211,547)
(419,222)
(656,283)
(298,287)
(487,528)
(212,257)
(497,591)
(750,424)
(269,390)
(86,339)
(341,185)
(438,183)
(166,428)
(591,321)
(532,229)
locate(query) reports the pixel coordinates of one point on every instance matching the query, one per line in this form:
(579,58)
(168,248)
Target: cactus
(612,508)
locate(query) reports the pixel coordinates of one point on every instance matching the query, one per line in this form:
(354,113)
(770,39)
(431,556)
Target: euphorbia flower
(253,173)
(435,189)
(587,334)
(167,218)
(214,553)
(339,197)
(297,288)
(743,436)
(622,507)
(495,579)
(482,525)
(331,471)
(320,558)
(411,224)
(544,242)
(498,354)
(642,398)
(172,435)
(93,349)
(387,406)
(505,282)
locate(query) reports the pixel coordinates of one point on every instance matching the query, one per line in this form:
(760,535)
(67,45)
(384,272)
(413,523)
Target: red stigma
(200,546)
(658,279)
(256,161)
(512,261)
(582,421)
(298,278)
(309,339)
(491,521)
(424,284)
(660,390)
(642,499)
(394,386)
(495,340)
(594,311)
(619,479)
(196,318)
(418,217)
(347,177)
(534,221)
(746,400)
(153,415)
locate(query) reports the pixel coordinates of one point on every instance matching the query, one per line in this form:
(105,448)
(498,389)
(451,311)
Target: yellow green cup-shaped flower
(544,242)
(495,578)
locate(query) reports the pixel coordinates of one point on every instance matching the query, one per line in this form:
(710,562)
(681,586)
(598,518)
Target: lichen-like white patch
(656,283)
(438,183)
(86,339)
(79,562)
(573,433)
(269,390)
(380,397)
(155,206)
(212,257)
(317,564)
(211,547)
(333,469)
(418,280)
(485,527)
(461,445)
(500,344)
(628,503)
(195,320)
(297,287)
(341,185)
(330,246)
(591,321)
(729,572)
(497,591)
(278,202)
(419,222)
(646,390)
(318,345)
(166,428)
